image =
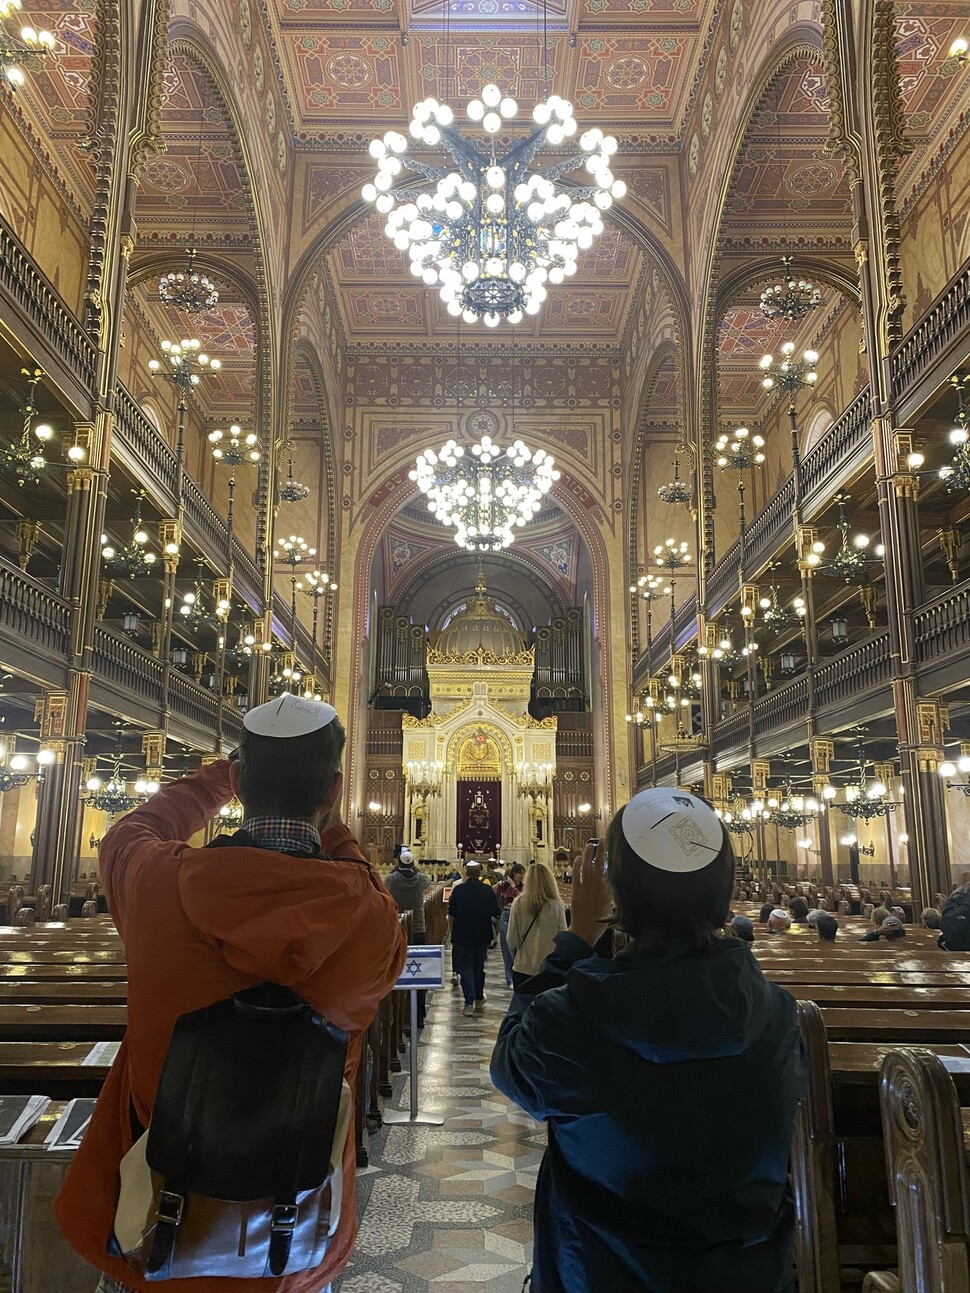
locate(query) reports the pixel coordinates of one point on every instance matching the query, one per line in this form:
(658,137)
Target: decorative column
(822,752)
(58,823)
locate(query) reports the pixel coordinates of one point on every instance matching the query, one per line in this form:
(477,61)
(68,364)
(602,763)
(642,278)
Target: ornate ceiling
(328,75)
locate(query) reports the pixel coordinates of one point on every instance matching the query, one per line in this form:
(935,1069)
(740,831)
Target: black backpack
(955,922)
(238,1174)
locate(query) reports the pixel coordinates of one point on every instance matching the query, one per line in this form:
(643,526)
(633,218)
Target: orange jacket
(198,925)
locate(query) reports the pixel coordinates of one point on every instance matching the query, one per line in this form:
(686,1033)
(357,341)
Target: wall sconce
(787,662)
(131,623)
(180,657)
(840,631)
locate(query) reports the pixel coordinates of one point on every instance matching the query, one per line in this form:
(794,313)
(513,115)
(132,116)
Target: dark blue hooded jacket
(669,1085)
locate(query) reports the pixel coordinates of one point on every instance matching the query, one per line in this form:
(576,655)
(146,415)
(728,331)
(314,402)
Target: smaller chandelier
(194,612)
(231,814)
(676,490)
(792,299)
(293,490)
(740,450)
(774,615)
(794,810)
(294,551)
(15,772)
(24,461)
(866,799)
(490,229)
(183,364)
(132,558)
(188,289)
(789,374)
(113,796)
(486,493)
(956,474)
(27,49)
(317,584)
(241,652)
(650,587)
(238,448)
(852,562)
(672,556)
(286,675)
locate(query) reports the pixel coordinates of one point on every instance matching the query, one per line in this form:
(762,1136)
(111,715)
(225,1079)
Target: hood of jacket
(679,1007)
(407,883)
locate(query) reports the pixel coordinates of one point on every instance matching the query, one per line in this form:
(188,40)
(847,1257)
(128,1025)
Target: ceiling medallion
(188,289)
(492,230)
(792,299)
(487,493)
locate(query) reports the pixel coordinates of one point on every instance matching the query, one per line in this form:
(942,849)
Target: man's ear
(234,777)
(333,794)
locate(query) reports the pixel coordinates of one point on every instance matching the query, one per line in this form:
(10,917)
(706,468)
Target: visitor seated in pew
(892,928)
(798,910)
(815,915)
(955,921)
(289,899)
(765,912)
(827,927)
(743,928)
(779,922)
(634,1061)
(930,918)
(879,914)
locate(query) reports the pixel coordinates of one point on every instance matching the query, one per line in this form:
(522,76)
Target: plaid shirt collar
(293,835)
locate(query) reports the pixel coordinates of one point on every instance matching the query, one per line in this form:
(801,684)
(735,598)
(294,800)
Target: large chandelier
(676,490)
(188,289)
(487,493)
(791,299)
(113,796)
(293,490)
(238,448)
(24,461)
(492,230)
(28,48)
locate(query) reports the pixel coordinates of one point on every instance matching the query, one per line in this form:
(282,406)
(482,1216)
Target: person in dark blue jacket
(668,1077)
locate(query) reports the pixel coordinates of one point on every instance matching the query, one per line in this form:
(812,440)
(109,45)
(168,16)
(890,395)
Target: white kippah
(406,856)
(672,830)
(780,913)
(288,715)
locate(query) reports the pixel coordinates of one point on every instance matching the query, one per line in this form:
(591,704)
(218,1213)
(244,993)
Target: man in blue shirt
(473,915)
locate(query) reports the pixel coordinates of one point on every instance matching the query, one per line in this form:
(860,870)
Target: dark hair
(765,912)
(798,908)
(827,927)
(515,868)
(288,777)
(661,909)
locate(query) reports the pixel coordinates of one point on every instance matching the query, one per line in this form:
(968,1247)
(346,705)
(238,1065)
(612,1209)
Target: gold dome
(480,626)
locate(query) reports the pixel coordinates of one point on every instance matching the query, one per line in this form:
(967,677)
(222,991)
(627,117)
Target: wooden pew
(926,1133)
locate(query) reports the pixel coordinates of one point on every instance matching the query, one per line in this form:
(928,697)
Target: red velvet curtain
(479,816)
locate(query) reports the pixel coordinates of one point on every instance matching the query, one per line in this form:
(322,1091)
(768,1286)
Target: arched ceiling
(341,71)
(417,549)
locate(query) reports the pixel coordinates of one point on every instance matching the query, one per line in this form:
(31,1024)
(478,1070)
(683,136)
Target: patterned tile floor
(449,1209)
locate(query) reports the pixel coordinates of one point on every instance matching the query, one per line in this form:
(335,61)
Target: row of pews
(63,996)
(880,1156)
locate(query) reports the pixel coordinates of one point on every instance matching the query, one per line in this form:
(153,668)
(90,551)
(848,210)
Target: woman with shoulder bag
(536,917)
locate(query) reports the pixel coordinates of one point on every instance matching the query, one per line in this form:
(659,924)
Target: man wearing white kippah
(637,1064)
(288,899)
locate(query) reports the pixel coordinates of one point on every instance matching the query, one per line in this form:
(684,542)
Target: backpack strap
(327,1080)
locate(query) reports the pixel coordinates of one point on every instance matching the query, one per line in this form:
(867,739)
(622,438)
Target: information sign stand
(424,968)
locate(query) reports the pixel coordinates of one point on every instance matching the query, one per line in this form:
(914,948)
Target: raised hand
(592,899)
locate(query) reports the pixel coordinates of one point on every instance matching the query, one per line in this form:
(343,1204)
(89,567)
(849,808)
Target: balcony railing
(192,702)
(126,666)
(22,281)
(943,626)
(838,455)
(929,341)
(32,612)
(859,669)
